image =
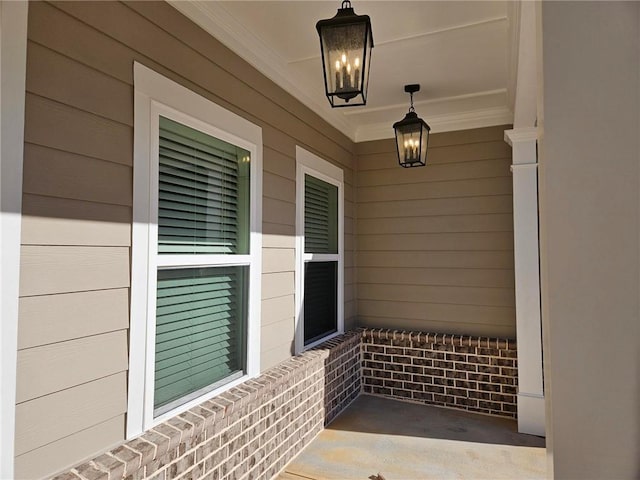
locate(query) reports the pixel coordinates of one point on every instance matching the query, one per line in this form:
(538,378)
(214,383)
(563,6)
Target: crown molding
(219,23)
(513,32)
(487,117)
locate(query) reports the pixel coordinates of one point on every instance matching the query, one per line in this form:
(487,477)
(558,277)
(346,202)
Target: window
(319,250)
(196,257)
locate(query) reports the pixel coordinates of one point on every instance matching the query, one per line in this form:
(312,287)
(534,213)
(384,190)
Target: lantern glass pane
(345,49)
(409,143)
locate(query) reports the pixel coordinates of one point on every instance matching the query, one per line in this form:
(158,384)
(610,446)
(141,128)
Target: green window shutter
(201,318)
(203,201)
(320,216)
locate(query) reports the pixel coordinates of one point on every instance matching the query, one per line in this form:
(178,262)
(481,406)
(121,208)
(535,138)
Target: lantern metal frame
(350,90)
(415,153)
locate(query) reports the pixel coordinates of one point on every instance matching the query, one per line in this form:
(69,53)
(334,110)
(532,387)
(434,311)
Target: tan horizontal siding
(436,206)
(454,138)
(277,284)
(60,78)
(279,229)
(461,277)
(56,173)
(442,155)
(494,222)
(462,137)
(78,192)
(49,319)
(438,312)
(279,188)
(437,259)
(66,451)
(274,356)
(445,189)
(437,173)
(58,221)
(277,309)
(160,46)
(433,326)
(279,333)
(278,260)
(454,295)
(435,244)
(278,163)
(480,241)
(48,270)
(277,211)
(56,125)
(52,417)
(58,366)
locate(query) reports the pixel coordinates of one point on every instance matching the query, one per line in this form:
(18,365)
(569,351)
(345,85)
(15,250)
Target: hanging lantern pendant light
(412,135)
(346,42)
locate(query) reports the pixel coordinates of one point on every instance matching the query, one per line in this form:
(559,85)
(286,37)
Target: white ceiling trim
(430,102)
(418,36)
(213,18)
(486,117)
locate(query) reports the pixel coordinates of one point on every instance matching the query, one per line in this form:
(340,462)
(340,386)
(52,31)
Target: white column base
(531,418)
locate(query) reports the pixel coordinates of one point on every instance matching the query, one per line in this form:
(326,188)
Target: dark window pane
(320,300)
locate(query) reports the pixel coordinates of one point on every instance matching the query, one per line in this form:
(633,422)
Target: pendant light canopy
(412,135)
(346,42)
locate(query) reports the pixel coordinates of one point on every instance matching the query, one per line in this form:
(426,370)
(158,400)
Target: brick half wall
(249,432)
(478,374)
(253,430)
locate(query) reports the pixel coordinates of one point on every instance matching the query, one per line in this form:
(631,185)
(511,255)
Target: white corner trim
(488,117)
(155,95)
(13,59)
(309,163)
(219,23)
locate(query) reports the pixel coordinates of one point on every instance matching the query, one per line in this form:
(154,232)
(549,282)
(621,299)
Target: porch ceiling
(460,52)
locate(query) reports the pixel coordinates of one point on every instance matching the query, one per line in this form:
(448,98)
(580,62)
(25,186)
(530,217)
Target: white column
(531,418)
(13,54)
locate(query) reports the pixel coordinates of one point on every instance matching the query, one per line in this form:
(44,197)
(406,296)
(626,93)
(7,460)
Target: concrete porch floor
(404,441)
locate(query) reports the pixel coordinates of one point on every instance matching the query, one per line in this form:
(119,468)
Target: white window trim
(156,94)
(309,163)
(13,61)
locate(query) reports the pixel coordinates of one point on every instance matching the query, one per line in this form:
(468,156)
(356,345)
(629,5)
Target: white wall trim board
(309,163)
(13,61)
(155,95)
(531,418)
